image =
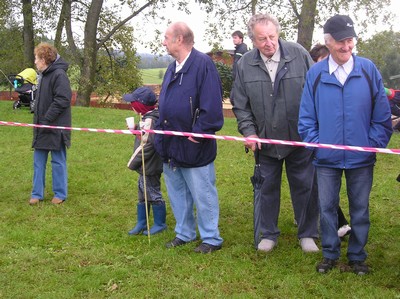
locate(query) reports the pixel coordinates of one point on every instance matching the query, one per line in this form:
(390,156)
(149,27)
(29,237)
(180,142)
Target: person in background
(344,102)
(190,101)
(268,85)
(394,102)
(51,106)
(240,49)
(143,101)
(318,53)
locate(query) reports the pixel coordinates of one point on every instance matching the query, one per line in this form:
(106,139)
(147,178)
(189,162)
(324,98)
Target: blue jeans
(59,173)
(359,184)
(187,187)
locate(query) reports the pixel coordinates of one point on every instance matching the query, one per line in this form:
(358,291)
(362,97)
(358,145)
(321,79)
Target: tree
(383,50)
(11,42)
(29,44)
(92,42)
(296,16)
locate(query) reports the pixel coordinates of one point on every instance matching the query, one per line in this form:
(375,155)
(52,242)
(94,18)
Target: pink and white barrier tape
(218,137)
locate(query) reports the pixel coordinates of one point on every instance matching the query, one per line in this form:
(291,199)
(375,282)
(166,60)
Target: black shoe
(175,243)
(326,265)
(359,267)
(207,248)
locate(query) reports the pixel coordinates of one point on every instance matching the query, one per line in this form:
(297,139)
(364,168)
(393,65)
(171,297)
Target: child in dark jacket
(143,102)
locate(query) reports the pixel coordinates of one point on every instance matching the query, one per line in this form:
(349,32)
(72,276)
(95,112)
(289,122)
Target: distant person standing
(190,101)
(51,106)
(344,102)
(240,49)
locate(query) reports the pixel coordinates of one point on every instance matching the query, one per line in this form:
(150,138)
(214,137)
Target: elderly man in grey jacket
(268,87)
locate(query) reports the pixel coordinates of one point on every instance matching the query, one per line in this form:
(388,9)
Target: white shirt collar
(348,66)
(179,66)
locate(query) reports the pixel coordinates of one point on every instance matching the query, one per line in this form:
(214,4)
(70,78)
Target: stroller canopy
(28,75)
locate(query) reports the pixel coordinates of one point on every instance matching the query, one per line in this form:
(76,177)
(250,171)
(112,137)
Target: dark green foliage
(383,50)
(225,72)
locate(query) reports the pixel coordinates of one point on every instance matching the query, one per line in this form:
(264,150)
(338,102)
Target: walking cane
(144,183)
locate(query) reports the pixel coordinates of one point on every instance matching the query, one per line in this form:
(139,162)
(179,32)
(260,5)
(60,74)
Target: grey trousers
(302,180)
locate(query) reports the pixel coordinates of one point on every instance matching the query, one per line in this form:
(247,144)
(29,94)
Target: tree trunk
(88,70)
(29,46)
(306,23)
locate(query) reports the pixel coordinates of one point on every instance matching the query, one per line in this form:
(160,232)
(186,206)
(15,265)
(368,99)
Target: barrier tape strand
(217,137)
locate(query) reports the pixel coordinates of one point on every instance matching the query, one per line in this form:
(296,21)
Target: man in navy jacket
(344,102)
(190,101)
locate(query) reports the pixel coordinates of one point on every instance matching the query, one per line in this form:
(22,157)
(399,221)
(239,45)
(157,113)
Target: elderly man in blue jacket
(344,102)
(190,101)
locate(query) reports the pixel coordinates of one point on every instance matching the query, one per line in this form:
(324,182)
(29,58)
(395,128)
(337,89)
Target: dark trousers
(303,190)
(153,189)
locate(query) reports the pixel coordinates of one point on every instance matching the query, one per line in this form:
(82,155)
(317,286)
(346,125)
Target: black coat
(52,106)
(145,143)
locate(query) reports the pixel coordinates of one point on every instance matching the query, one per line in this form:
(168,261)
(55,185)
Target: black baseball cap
(340,27)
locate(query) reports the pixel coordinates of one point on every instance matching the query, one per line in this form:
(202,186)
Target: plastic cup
(130,122)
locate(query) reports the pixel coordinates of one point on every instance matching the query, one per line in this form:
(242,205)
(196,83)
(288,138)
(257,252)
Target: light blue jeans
(59,173)
(189,187)
(359,184)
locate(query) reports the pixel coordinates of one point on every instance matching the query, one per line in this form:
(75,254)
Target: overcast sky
(197,19)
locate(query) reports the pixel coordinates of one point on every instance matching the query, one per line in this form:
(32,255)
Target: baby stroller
(25,85)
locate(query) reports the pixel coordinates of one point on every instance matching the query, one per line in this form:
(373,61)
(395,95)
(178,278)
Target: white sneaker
(266,245)
(344,230)
(308,245)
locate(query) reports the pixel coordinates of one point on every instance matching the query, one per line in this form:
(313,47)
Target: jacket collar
(285,55)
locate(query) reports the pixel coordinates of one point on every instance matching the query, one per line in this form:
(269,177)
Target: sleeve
(308,119)
(62,95)
(210,116)
(144,146)
(381,123)
(241,106)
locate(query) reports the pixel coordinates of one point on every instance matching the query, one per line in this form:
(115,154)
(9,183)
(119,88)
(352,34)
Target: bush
(225,72)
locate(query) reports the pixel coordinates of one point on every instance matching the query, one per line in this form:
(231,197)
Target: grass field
(153,76)
(81,249)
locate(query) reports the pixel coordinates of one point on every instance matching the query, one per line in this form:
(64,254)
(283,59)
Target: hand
(252,144)
(192,140)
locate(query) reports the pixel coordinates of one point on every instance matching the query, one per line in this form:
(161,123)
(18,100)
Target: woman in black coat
(51,106)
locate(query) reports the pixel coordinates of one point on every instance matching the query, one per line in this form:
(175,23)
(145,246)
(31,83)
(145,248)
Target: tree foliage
(383,50)
(297,17)
(95,39)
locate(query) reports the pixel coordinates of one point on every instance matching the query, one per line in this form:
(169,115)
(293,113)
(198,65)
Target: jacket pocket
(186,152)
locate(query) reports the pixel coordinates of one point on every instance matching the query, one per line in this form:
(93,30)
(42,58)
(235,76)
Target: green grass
(153,76)
(81,249)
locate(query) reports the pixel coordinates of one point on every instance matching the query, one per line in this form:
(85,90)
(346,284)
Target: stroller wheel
(16,105)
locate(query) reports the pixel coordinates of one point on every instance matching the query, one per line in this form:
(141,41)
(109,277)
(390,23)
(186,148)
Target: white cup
(130,122)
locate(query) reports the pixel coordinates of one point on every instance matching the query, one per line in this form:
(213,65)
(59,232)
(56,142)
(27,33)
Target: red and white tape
(218,137)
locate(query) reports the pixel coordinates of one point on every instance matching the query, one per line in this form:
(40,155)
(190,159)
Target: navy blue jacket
(197,86)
